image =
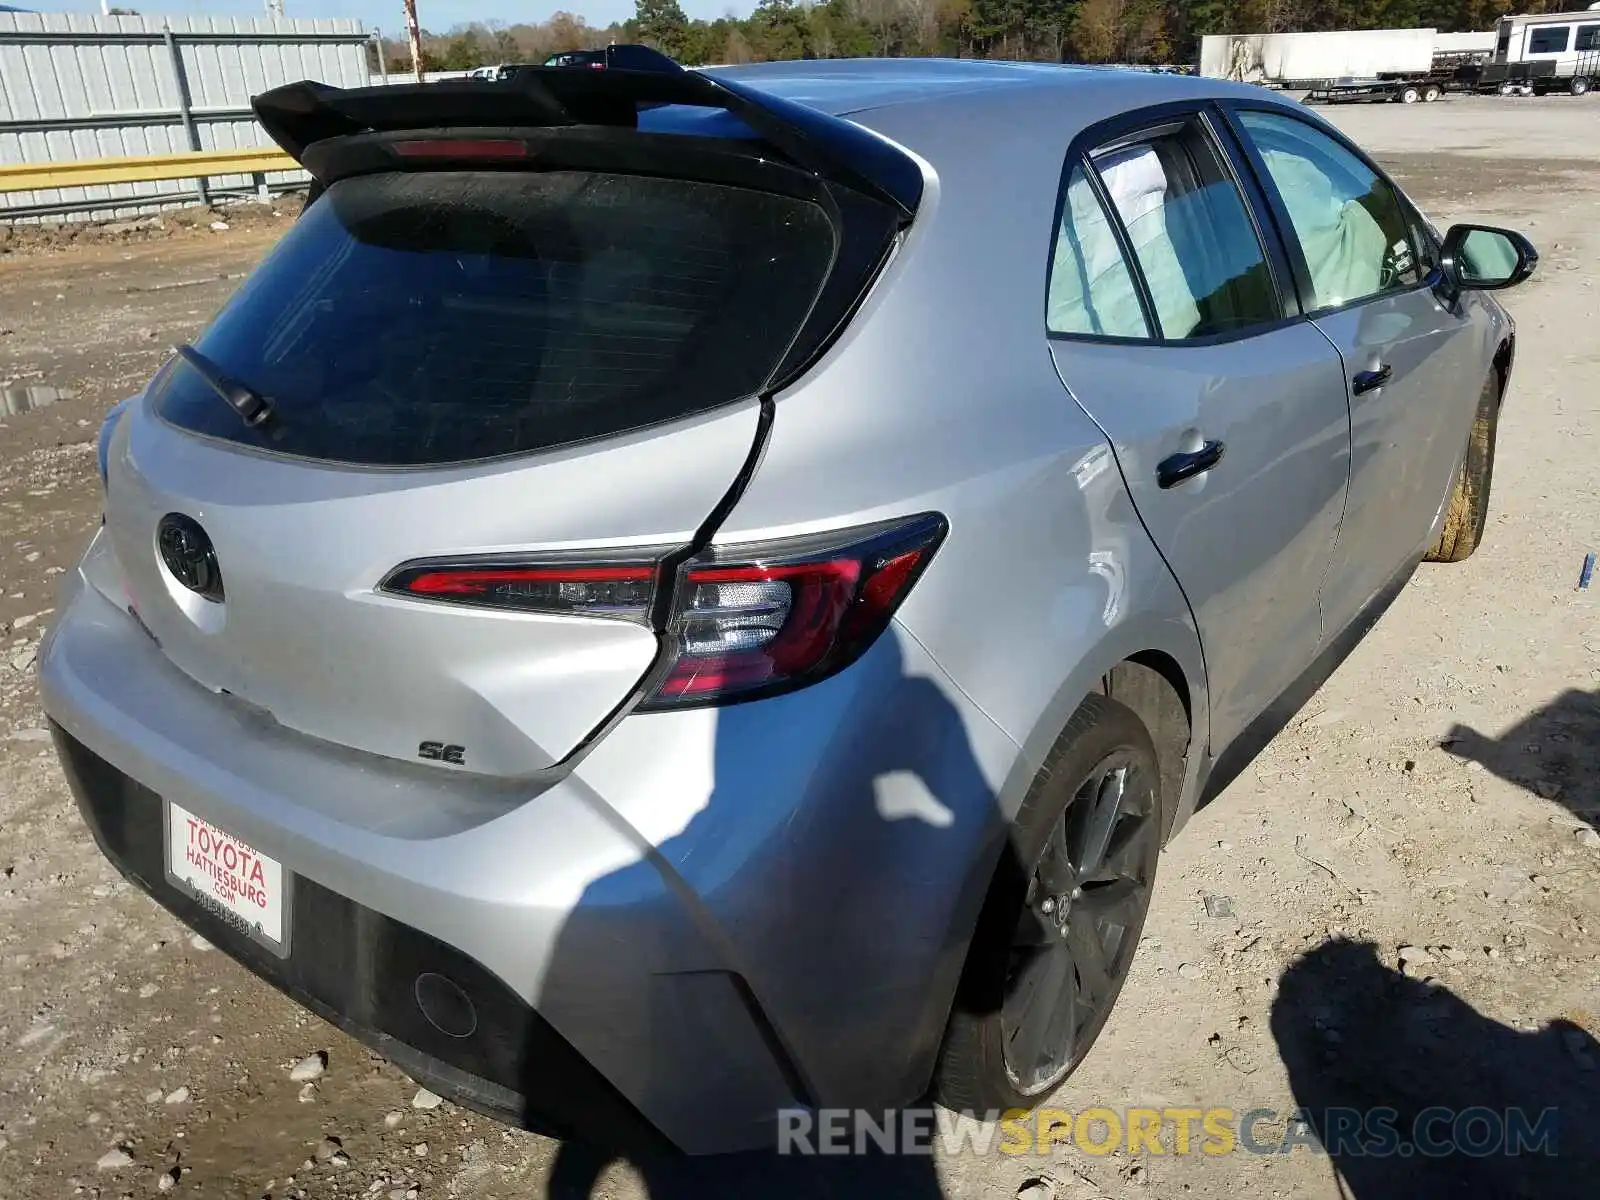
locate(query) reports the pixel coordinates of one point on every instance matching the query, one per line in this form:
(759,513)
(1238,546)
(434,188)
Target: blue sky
(387,15)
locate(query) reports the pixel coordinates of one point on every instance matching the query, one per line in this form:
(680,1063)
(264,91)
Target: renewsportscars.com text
(1376,1132)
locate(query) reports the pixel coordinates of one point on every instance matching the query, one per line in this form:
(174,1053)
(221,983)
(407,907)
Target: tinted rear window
(442,317)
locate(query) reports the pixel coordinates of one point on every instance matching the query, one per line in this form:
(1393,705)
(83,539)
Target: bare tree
(738,49)
(883,18)
(920,21)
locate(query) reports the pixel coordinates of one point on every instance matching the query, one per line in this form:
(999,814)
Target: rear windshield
(430,318)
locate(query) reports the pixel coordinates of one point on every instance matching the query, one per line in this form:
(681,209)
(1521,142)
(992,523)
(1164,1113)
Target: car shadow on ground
(1554,752)
(1413,1093)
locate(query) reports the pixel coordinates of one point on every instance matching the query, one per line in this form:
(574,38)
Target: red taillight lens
(755,621)
(622,591)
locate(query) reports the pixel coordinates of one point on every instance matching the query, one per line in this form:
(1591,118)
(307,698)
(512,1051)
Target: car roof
(949,111)
(847,87)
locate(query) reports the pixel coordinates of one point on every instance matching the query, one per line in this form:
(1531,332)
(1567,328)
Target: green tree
(465,50)
(779,29)
(663,25)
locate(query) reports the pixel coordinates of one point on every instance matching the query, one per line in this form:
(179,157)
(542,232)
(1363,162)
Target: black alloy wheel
(1080,922)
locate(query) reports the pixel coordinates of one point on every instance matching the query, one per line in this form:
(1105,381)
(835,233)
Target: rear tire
(1432,93)
(1062,920)
(1467,508)
(1579,85)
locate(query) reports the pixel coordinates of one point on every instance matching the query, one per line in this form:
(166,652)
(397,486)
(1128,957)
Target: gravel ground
(1395,904)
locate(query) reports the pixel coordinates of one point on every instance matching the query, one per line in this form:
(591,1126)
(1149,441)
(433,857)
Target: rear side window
(1187,223)
(1091,288)
(1588,37)
(423,319)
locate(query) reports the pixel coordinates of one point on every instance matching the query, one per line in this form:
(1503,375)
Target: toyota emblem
(189,555)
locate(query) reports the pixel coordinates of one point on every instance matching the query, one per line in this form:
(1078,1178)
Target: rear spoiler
(298,115)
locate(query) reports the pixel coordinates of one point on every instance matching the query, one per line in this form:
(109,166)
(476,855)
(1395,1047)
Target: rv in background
(1546,53)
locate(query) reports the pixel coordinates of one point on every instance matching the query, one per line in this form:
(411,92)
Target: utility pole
(414,36)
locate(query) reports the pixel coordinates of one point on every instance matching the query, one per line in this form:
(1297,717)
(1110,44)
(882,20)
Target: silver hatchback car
(678,596)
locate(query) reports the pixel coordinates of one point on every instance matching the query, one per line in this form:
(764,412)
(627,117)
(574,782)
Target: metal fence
(75,87)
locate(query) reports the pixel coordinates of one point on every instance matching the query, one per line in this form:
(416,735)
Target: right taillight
(756,620)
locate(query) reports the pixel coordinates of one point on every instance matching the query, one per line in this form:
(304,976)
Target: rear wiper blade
(254,409)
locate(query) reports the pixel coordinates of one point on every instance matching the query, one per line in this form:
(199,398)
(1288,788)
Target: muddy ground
(1396,903)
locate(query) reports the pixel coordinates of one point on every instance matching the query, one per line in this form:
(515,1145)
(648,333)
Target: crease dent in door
(1111,445)
(1344,507)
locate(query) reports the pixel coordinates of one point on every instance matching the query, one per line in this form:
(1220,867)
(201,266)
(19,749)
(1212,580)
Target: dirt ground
(1395,904)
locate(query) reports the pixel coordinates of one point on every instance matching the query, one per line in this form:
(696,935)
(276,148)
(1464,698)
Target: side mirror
(1483,258)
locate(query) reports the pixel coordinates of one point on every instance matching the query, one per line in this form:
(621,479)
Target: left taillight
(745,621)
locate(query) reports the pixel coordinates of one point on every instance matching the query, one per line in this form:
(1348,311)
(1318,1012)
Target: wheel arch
(1153,685)
(1156,668)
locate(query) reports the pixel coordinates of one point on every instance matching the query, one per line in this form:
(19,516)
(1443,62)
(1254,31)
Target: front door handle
(1175,468)
(1365,381)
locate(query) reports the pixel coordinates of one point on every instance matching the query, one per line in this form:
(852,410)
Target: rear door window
(1195,248)
(419,319)
(1187,223)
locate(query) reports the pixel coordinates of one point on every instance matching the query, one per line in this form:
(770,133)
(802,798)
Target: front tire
(1062,921)
(1467,508)
(1410,95)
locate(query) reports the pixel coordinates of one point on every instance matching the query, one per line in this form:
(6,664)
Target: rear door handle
(1365,381)
(1175,468)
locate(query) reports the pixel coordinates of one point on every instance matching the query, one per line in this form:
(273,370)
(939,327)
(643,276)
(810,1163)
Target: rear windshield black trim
(572,148)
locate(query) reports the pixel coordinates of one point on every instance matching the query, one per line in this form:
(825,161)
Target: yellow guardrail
(141,168)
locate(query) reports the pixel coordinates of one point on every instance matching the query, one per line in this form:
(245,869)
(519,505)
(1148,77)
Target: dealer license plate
(237,883)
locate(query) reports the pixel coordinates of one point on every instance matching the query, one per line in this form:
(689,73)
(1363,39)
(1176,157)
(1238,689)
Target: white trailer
(1474,44)
(1305,60)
